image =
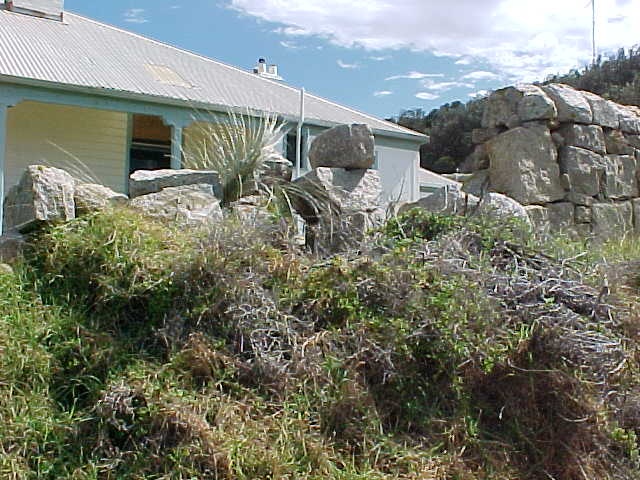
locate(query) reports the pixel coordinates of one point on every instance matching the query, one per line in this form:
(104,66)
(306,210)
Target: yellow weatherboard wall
(40,133)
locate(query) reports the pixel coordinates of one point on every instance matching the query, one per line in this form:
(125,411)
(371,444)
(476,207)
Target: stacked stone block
(347,191)
(571,157)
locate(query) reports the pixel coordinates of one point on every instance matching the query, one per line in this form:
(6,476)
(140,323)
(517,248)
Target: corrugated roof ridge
(353,110)
(240,70)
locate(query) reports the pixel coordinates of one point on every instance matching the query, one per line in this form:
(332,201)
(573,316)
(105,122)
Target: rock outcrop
(143,182)
(344,146)
(43,195)
(91,197)
(523,165)
(187,205)
(570,157)
(339,205)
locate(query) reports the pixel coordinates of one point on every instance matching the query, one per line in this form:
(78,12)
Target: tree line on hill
(449,126)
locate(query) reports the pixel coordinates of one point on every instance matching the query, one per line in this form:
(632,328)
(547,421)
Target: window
(150,144)
(290,147)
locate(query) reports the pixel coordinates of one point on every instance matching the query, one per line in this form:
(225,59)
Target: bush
(450,349)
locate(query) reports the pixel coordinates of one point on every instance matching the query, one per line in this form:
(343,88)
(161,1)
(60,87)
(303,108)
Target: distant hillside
(617,78)
(450,126)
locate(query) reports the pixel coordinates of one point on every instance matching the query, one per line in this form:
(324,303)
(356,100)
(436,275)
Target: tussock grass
(446,349)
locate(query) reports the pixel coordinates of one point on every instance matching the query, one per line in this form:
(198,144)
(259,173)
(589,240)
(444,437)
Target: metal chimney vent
(52,9)
(267,71)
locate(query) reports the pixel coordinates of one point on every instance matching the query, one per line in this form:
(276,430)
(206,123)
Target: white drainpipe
(296,172)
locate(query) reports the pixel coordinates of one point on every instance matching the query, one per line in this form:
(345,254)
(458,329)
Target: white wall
(398,163)
(39,133)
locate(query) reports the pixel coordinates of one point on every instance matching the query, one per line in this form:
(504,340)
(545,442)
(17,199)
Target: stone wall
(570,157)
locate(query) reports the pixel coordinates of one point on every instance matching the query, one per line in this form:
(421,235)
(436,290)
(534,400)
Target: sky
(384,56)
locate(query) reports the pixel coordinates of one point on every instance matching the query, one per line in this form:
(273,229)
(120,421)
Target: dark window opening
(291,146)
(150,144)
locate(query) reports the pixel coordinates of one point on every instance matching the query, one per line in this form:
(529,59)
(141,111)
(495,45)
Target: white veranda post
(3,150)
(176,147)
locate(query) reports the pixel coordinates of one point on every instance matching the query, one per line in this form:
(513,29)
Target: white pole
(299,136)
(3,148)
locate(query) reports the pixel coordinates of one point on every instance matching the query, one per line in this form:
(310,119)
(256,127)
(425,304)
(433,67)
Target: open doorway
(150,144)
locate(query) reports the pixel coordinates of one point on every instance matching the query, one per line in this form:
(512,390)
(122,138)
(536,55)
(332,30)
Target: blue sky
(380,56)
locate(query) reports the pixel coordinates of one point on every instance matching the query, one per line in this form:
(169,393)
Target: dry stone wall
(570,157)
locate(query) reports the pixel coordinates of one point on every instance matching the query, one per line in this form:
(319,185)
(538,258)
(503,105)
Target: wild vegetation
(449,127)
(445,348)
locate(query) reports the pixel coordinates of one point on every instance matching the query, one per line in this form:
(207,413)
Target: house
(429,182)
(74,89)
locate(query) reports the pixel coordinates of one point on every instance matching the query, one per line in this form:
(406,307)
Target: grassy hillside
(447,349)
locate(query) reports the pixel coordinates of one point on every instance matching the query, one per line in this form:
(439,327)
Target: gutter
(416,137)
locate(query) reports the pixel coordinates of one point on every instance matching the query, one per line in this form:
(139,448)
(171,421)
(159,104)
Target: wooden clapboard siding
(38,133)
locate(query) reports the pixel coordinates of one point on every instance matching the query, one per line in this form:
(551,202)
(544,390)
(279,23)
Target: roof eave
(194,105)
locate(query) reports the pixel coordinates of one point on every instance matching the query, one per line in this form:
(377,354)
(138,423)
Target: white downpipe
(3,149)
(296,172)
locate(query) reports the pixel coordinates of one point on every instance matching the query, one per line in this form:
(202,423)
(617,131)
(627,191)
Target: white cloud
(427,96)
(380,58)
(481,75)
(382,93)
(135,15)
(415,76)
(464,61)
(348,66)
(290,45)
(445,86)
(517,41)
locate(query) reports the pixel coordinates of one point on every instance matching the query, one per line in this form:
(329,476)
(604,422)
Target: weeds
(447,349)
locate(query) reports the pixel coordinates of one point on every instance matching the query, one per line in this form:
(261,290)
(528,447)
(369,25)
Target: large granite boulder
(344,191)
(143,182)
(91,197)
(539,217)
(339,206)
(251,210)
(561,217)
(605,112)
(447,200)
(483,135)
(344,146)
(635,204)
(611,220)
(187,205)
(501,207)
(584,169)
(277,168)
(512,106)
(620,180)
(590,137)
(571,104)
(617,143)
(43,195)
(523,165)
(629,116)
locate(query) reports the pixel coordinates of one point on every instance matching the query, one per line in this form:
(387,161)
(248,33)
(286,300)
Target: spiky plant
(240,147)
(237,147)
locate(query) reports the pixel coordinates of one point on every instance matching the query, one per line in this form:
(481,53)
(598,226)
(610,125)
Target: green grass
(132,350)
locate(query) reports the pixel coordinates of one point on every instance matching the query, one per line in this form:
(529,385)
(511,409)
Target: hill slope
(447,348)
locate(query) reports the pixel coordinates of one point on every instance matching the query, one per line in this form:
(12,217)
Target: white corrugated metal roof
(83,53)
